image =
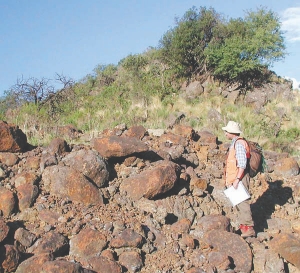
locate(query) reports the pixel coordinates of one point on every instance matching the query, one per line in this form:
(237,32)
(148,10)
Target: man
(237,170)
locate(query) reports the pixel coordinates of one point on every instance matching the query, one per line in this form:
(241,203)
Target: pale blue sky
(39,38)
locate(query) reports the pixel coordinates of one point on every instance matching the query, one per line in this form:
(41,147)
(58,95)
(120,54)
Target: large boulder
(89,163)
(287,246)
(66,182)
(12,139)
(287,167)
(233,246)
(152,182)
(86,244)
(114,146)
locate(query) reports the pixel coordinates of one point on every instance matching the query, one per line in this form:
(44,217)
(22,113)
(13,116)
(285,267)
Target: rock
(49,217)
(173,139)
(131,260)
(287,167)
(287,246)
(12,139)
(24,237)
(137,131)
(104,265)
(213,222)
(8,202)
(33,162)
(219,260)
(127,238)
(68,131)
(58,146)
(266,260)
(184,131)
(4,229)
(156,132)
(90,164)
(9,258)
(115,146)
(180,227)
(27,195)
(34,263)
(67,182)
(62,266)
(207,138)
(152,182)
(26,178)
(51,242)
(194,90)
(87,243)
(9,159)
(234,246)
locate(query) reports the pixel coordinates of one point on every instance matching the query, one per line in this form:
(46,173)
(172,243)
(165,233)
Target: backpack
(256,158)
(256,162)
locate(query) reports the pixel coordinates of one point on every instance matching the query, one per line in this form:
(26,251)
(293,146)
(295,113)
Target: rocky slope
(137,200)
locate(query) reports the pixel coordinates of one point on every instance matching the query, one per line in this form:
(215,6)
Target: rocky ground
(137,200)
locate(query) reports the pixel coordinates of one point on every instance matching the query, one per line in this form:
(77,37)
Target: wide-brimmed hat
(232,127)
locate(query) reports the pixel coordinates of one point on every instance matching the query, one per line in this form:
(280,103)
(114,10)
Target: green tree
(182,47)
(246,47)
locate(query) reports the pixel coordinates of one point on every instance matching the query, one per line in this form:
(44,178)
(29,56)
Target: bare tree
(32,89)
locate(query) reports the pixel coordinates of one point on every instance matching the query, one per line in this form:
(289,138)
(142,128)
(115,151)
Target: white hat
(232,127)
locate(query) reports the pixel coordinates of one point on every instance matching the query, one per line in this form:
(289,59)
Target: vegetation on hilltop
(146,88)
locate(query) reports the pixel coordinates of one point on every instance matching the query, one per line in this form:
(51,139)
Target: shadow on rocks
(264,206)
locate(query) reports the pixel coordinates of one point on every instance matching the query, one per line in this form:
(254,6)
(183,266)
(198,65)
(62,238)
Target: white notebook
(238,195)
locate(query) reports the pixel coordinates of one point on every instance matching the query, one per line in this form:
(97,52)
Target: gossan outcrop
(138,201)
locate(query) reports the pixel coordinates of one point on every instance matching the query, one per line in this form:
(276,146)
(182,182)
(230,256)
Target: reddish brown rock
(137,131)
(9,258)
(89,163)
(152,182)
(63,266)
(33,162)
(207,138)
(234,246)
(26,178)
(173,139)
(287,167)
(34,263)
(212,222)
(115,146)
(127,238)
(288,246)
(87,243)
(4,229)
(198,183)
(220,260)
(24,237)
(58,146)
(50,217)
(67,182)
(27,194)
(51,242)
(8,202)
(102,264)
(181,226)
(9,159)
(184,131)
(12,139)
(131,260)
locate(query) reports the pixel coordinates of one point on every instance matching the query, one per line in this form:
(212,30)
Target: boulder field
(137,200)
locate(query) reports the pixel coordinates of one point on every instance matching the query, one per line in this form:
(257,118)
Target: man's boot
(247,231)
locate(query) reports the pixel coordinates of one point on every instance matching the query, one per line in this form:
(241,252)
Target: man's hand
(236,183)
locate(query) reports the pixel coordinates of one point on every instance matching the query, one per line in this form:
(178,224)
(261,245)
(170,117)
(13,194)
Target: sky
(39,38)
